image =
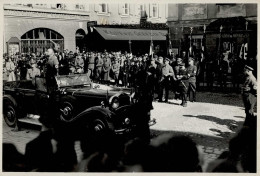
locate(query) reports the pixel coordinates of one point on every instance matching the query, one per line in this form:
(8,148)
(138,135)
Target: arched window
(40,39)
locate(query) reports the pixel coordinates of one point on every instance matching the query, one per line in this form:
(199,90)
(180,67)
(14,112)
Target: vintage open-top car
(101,107)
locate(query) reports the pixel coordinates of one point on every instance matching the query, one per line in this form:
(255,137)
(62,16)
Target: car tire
(67,108)
(9,113)
(100,125)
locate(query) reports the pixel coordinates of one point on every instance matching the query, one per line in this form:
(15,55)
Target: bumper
(129,130)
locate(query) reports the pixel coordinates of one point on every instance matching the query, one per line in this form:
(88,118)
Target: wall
(16,26)
(114,15)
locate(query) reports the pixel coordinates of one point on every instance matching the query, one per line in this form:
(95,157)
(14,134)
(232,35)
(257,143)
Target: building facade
(36,27)
(230,25)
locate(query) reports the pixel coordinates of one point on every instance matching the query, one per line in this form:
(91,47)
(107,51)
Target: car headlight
(115,103)
(127,121)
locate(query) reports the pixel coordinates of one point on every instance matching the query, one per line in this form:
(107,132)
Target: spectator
(10,68)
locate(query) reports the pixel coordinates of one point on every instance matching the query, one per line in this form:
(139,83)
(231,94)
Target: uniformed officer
(91,65)
(182,78)
(166,73)
(32,72)
(79,64)
(98,68)
(176,70)
(52,67)
(192,72)
(249,93)
(116,68)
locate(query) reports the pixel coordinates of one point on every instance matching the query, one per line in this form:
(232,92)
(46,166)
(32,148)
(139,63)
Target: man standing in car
(52,66)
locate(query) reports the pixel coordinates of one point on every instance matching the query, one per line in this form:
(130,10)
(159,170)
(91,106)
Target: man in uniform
(79,64)
(182,78)
(99,64)
(32,72)
(91,65)
(192,72)
(249,94)
(52,66)
(166,73)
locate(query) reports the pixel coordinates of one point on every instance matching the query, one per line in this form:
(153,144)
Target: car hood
(100,90)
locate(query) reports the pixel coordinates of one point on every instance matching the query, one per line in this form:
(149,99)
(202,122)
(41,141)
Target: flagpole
(152,41)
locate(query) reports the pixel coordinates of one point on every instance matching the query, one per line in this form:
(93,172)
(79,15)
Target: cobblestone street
(210,125)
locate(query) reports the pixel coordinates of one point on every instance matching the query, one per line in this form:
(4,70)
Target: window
(80,7)
(142,10)
(125,10)
(102,8)
(40,39)
(154,10)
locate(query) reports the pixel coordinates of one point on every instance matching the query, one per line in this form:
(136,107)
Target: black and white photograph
(129,87)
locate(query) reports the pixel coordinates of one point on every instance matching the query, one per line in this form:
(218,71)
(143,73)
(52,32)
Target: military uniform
(98,69)
(249,95)
(79,64)
(52,66)
(91,66)
(32,72)
(183,84)
(116,68)
(106,69)
(192,72)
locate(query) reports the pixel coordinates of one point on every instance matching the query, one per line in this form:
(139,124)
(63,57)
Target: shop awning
(131,34)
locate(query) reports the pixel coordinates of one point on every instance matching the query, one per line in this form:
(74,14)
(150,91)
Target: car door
(41,95)
(26,93)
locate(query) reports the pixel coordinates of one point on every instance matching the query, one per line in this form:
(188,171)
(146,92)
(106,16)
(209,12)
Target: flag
(243,51)
(56,46)
(168,37)
(220,48)
(203,47)
(191,53)
(151,49)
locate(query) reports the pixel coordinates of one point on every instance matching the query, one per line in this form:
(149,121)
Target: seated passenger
(32,72)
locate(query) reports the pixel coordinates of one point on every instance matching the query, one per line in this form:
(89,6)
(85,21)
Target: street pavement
(211,122)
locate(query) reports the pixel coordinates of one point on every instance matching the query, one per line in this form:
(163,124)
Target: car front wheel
(9,114)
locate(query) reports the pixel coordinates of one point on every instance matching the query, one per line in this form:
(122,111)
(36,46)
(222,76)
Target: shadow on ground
(204,140)
(231,124)
(220,142)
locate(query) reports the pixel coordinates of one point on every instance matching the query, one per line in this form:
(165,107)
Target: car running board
(31,119)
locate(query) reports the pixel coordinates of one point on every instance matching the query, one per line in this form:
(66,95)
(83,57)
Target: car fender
(94,111)
(9,97)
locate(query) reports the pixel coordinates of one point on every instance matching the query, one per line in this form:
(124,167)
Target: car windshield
(73,80)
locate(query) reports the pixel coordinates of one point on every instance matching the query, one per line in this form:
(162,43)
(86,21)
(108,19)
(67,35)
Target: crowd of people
(174,73)
(165,153)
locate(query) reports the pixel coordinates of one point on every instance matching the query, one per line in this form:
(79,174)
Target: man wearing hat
(192,72)
(79,63)
(116,68)
(182,78)
(249,93)
(32,72)
(166,73)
